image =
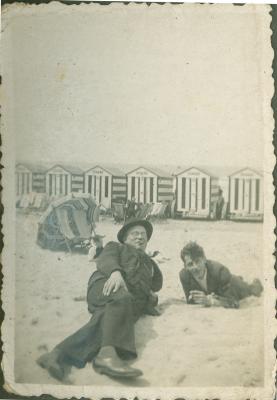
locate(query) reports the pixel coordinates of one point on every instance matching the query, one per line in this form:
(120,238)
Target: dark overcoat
(141,274)
(113,316)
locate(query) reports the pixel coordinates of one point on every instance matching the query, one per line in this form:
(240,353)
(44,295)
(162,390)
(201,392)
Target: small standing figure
(131,208)
(219,205)
(209,283)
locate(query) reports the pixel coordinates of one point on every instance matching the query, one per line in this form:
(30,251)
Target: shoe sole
(114,374)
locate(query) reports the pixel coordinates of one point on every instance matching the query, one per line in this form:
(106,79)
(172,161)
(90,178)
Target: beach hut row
(193,190)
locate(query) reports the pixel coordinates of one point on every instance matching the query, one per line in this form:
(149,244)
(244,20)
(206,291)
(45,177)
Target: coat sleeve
(225,293)
(109,259)
(185,281)
(157,279)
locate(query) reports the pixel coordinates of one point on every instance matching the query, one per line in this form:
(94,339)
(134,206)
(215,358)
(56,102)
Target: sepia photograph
(138,201)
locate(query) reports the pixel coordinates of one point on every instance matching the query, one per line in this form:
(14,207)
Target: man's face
(136,237)
(196,267)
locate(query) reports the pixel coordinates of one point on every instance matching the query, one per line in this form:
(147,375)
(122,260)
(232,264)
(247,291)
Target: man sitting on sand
(209,283)
(119,292)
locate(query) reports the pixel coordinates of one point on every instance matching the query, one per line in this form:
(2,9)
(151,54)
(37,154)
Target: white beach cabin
(106,184)
(195,190)
(246,195)
(149,185)
(64,179)
(29,178)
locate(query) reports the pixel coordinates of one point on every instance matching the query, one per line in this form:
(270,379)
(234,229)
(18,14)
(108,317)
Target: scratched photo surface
(156,112)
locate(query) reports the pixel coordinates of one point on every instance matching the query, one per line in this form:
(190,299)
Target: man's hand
(114,282)
(199,297)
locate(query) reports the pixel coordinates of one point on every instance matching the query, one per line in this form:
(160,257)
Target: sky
(135,84)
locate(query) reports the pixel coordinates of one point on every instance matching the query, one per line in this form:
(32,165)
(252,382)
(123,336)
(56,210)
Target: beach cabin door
(23,180)
(98,183)
(193,193)
(58,182)
(246,194)
(142,184)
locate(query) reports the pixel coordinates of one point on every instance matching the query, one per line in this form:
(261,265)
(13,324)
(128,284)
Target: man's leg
(118,336)
(79,347)
(112,326)
(244,289)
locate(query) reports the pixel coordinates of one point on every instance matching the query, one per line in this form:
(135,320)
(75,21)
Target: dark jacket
(219,282)
(141,274)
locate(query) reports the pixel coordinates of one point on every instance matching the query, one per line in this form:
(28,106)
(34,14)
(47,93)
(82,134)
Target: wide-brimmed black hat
(134,222)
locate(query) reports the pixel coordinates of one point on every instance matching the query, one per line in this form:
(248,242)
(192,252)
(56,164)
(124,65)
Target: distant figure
(209,283)
(167,209)
(219,205)
(138,209)
(131,208)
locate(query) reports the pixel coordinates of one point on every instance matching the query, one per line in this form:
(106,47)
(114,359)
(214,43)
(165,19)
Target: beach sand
(186,346)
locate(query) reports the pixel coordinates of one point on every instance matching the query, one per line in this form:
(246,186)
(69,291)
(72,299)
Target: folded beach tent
(67,222)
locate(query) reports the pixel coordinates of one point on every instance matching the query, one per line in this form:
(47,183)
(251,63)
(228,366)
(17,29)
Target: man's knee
(122,296)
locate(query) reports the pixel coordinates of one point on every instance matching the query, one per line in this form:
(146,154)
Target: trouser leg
(80,347)
(118,322)
(112,324)
(240,288)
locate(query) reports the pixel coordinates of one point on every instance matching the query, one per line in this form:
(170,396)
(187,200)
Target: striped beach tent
(67,222)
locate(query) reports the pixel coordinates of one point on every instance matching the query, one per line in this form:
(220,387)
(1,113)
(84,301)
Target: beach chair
(148,210)
(161,211)
(142,213)
(40,201)
(118,212)
(155,209)
(24,201)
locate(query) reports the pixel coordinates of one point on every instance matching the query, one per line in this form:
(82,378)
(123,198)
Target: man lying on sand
(209,283)
(119,292)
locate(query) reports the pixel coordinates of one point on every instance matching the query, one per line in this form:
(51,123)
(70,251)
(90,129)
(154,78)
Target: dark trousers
(112,324)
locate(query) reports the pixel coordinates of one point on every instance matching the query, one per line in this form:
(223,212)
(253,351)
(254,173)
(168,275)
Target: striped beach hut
(196,190)
(106,184)
(246,194)
(29,178)
(64,179)
(150,185)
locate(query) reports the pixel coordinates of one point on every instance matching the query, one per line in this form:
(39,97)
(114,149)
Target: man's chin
(140,246)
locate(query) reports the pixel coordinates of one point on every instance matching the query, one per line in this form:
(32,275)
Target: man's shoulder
(121,248)
(216,267)
(110,249)
(112,244)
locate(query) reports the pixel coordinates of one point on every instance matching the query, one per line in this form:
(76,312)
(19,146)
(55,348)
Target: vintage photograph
(138,195)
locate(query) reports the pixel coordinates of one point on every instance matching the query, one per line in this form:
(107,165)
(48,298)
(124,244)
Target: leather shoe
(115,368)
(50,362)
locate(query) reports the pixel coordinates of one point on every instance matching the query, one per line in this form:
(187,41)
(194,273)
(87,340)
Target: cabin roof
(255,170)
(112,169)
(33,167)
(69,168)
(213,171)
(159,171)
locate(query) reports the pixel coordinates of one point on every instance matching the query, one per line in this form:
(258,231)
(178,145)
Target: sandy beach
(185,346)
